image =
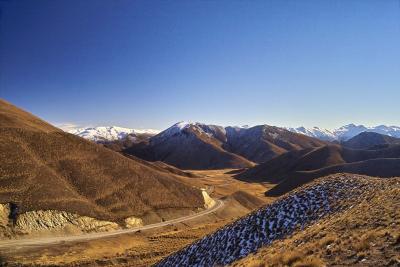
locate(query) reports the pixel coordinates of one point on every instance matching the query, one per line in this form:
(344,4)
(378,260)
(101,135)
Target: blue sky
(148,64)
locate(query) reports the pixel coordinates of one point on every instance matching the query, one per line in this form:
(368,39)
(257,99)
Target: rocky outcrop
(132,222)
(208,201)
(40,221)
(4,214)
(55,220)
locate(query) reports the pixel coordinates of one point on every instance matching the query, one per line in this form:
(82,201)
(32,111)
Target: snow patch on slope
(275,221)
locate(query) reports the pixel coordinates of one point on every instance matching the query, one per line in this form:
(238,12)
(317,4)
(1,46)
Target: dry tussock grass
(287,259)
(365,235)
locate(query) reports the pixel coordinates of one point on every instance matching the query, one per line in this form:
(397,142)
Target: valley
(144,245)
(199,133)
(192,195)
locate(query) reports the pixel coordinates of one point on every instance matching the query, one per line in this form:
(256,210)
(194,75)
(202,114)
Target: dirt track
(18,243)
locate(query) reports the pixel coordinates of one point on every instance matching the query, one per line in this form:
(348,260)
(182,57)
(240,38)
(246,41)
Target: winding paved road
(9,244)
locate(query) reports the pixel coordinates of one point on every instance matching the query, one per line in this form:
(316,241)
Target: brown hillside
(247,200)
(201,146)
(164,167)
(370,140)
(373,167)
(42,167)
(263,142)
(13,117)
(191,148)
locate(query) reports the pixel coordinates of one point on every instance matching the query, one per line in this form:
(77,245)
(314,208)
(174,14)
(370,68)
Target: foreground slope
(295,168)
(368,234)
(43,168)
(326,198)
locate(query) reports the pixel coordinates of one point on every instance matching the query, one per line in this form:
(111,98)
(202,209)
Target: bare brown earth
(43,168)
(147,247)
(367,234)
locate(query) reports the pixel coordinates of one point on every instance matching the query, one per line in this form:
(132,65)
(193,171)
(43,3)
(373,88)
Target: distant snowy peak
(175,129)
(212,131)
(110,133)
(316,132)
(346,132)
(178,127)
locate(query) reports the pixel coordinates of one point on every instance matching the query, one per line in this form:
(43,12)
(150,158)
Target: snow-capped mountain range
(112,133)
(346,132)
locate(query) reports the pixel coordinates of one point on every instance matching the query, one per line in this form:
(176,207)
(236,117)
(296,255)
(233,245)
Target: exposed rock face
(42,221)
(133,222)
(208,201)
(4,214)
(50,220)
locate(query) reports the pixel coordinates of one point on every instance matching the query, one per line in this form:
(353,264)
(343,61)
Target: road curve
(9,244)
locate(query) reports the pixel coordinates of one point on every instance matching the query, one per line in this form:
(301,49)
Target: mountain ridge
(201,146)
(343,133)
(346,132)
(110,133)
(370,140)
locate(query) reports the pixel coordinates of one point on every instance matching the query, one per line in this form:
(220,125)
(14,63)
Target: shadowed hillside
(263,142)
(201,146)
(295,168)
(42,167)
(370,140)
(191,146)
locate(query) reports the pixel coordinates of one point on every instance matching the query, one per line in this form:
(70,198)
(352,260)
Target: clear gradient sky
(148,64)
